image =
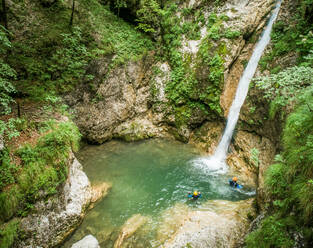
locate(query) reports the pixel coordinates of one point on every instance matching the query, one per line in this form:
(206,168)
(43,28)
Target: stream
(148,178)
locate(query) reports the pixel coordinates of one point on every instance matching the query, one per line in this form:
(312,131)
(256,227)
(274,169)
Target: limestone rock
(118,97)
(56,218)
(99,191)
(87,242)
(129,228)
(240,158)
(137,129)
(219,224)
(207,136)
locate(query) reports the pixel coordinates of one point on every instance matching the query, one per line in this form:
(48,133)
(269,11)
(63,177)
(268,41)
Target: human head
(235,179)
(195,193)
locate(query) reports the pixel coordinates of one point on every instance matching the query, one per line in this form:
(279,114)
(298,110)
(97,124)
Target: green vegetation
(149,15)
(56,58)
(8,233)
(282,88)
(6,75)
(41,170)
(288,183)
(195,86)
(289,38)
(255,157)
(290,92)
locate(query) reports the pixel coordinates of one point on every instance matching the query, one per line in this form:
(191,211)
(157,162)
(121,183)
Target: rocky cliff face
(118,105)
(132,102)
(53,220)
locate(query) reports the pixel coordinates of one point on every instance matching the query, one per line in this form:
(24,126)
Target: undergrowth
(289,183)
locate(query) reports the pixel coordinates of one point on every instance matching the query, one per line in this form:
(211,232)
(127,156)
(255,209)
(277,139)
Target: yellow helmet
(195,193)
(235,179)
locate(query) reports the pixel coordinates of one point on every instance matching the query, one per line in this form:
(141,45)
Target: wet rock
(207,136)
(55,219)
(99,191)
(87,242)
(116,98)
(241,160)
(129,228)
(137,129)
(217,224)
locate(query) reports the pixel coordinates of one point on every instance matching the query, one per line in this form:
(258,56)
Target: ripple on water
(148,178)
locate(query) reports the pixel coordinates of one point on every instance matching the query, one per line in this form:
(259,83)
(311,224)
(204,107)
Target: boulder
(218,224)
(129,228)
(87,242)
(54,219)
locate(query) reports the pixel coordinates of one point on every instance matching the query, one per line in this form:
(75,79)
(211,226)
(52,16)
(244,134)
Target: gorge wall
(182,89)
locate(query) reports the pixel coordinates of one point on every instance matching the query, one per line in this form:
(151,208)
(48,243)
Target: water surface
(147,178)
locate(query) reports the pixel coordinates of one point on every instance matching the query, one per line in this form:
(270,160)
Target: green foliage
(255,156)
(282,88)
(289,182)
(188,90)
(7,169)
(68,63)
(44,168)
(52,58)
(12,127)
(273,233)
(8,233)
(296,36)
(149,16)
(232,34)
(7,74)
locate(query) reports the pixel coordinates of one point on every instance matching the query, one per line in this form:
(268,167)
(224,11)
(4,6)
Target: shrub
(272,233)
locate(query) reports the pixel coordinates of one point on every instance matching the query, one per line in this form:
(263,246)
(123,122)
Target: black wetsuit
(233,183)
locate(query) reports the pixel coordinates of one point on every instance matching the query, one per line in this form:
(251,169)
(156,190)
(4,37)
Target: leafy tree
(149,16)
(6,75)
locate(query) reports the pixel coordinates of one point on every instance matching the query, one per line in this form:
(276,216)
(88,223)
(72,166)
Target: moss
(8,233)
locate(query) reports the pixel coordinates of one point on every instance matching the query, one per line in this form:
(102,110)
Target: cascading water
(216,163)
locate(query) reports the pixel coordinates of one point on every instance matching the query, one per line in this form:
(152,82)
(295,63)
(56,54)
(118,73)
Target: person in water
(233,182)
(195,195)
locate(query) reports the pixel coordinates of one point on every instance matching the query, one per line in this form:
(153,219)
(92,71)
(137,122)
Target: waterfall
(216,163)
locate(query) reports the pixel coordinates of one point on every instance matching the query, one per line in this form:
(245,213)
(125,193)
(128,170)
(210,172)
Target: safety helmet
(235,179)
(195,193)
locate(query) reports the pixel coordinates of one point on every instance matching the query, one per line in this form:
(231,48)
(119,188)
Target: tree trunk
(4,11)
(72,15)
(18,108)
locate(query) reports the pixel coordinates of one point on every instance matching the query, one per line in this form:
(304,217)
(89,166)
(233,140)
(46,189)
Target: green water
(147,178)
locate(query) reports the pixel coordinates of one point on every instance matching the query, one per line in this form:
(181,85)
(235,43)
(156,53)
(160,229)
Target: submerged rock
(87,242)
(99,191)
(129,228)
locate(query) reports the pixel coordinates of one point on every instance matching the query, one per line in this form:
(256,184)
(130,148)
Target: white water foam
(216,164)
